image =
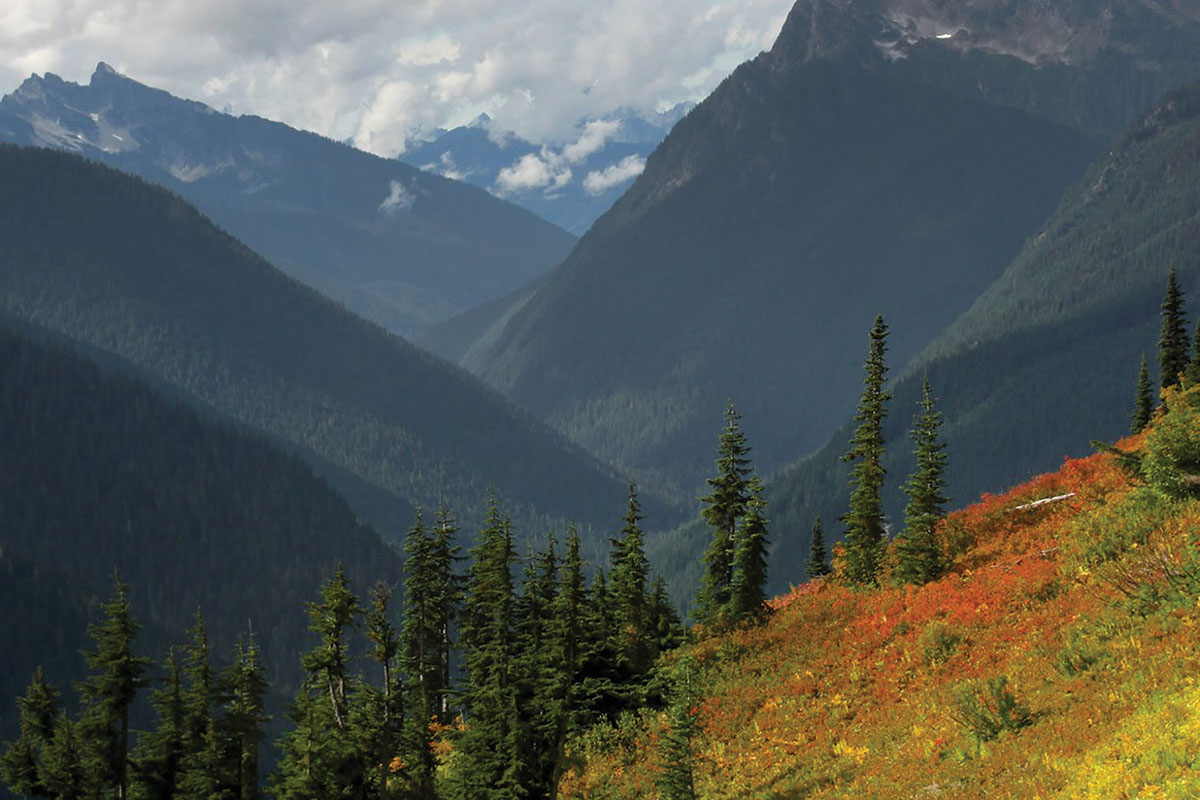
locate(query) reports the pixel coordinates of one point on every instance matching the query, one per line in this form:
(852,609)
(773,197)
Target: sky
(385,72)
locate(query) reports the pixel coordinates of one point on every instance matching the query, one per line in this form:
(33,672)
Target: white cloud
(626,169)
(544,170)
(595,133)
(399,198)
(382,71)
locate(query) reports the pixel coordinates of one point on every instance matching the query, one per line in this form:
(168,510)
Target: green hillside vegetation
(1070,318)
(108,260)
(99,472)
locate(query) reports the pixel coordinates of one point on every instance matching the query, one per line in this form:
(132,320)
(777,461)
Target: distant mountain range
(571,183)
(399,246)
(130,269)
(884,157)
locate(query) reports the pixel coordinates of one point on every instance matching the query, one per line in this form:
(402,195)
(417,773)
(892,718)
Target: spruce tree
(198,696)
(747,595)
(676,761)
(158,763)
(818,561)
(920,554)
(245,715)
(22,762)
(1143,401)
(567,613)
(64,773)
(724,506)
(864,521)
(1172,338)
(109,691)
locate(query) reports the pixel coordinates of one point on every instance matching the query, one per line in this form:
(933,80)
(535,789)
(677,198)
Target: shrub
(938,644)
(1171,465)
(989,708)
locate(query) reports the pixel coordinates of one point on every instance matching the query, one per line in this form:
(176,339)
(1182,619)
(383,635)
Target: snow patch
(188,173)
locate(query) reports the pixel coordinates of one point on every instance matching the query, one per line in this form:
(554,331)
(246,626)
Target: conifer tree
(568,613)
(724,506)
(676,759)
(665,621)
(490,745)
(1192,376)
(109,691)
(627,590)
(1173,338)
(538,664)
(818,561)
(747,595)
(65,774)
(1143,402)
(245,715)
(864,520)
(158,763)
(198,697)
(920,554)
(22,763)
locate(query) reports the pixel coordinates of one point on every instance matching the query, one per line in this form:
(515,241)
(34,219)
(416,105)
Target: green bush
(1171,465)
(989,708)
(938,644)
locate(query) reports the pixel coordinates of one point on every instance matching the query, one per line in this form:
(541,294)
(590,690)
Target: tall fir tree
(65,773)
(919,552)
(568,613)
(723,507)
(628,577)
(117,674)
(747,594)
(864,521)
(676,760)
(489,747)
(818,560)
(1173,336)
(245,714)
(158,760)
(1143,399)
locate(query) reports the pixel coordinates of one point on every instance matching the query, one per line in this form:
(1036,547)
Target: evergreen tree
(864,520)
(244,718)
(109,691)
(568,614)
(21,764)
(665,622)
(198,696)
(538,666)
(1192,376)
(1173,338)
(747,595)
(158,763)
(490,745)
(676,759)
(920,554)
(818,561)
(1143,402)
(724,505)
(627,591)
(64,773)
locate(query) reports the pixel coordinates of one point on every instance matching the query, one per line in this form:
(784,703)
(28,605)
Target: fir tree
(64,773)
(1173,338)
(627,590)
(21,764)
(568,613)
(109,692)
(1143,402)
(198,697)
(920,555)
(864,520)
(245,716)
(1192,376)
(818,561)
(158,764)
(747,595)
(667,626)
(724,506)
(676,762)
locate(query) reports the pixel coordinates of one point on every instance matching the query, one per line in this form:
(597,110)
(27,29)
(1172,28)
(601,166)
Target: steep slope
(1068,319)
(98,472)
(819,185)
(1057,659)
(400,247)
(129,268)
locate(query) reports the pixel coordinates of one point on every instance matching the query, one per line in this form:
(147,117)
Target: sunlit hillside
(1058,658)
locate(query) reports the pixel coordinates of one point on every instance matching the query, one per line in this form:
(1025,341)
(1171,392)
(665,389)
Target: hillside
(128,268)
(844,173)
(1085,603)
(1069,318)
(398,246)
(98,472)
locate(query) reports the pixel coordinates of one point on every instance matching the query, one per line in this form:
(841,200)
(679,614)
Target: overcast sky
(381,71)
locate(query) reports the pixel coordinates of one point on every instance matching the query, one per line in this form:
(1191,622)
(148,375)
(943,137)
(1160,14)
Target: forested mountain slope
(1046,360)
(98,472)
(126,267)
(398,246)
(847,172)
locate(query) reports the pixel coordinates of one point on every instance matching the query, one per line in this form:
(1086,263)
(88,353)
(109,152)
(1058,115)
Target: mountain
(1056,659)
(99,472)
(398,246)
(568,183)
(845,173)
(133,270)
(1070,318)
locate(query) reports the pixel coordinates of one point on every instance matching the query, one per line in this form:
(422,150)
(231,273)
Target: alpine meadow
(778,399)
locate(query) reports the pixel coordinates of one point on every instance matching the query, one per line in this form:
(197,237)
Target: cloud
(544,170)
(399,198)
(382,72)
(626,169)
(595,134)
